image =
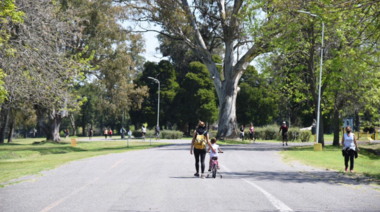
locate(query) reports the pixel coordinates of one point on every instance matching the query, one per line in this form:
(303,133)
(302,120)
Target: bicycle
(214,167)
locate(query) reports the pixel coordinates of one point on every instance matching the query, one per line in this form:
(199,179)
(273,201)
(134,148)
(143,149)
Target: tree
(198,95)
(165,73)
(39,72)
(257,101)
(223,22)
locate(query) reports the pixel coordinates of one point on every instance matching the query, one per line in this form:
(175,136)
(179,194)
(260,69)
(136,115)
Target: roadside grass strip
(26,157)
(367,163)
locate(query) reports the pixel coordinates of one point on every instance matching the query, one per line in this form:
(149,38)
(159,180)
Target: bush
(165,134)
(305,136)
(293,134)
(271,132)
(171,134)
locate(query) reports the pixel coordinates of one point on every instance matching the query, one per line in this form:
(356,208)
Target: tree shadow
(325,177)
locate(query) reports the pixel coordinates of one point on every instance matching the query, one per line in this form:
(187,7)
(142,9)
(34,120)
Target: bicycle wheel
(214,171)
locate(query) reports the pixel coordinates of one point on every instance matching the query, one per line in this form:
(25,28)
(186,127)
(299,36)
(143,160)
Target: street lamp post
(158,105)
(320,71)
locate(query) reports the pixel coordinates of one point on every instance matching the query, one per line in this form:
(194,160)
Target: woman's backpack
(200,141)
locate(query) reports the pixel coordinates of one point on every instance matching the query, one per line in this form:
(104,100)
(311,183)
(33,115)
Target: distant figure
(110,132)
(242,132)
(157,132)
(284,129)
(129,133)
(349,148)
(34,133)
(252,133)
(105,132)
(67,133)
(143,131)
(122,133)
(313,129)
(90,133)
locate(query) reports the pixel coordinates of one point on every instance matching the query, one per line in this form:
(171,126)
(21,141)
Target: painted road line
(275,202)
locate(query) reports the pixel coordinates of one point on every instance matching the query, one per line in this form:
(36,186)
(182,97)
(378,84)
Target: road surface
(255,178)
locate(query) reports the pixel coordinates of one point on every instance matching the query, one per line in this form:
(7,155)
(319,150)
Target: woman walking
(200,139)
(105,132)
(110,133)
(349,148)
(252,133)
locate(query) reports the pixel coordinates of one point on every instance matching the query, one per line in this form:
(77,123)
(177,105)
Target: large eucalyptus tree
(239,26)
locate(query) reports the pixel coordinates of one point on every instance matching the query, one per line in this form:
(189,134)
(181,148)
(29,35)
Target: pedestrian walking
(90,133)
(199,142)
(129,134)
(143,132)
(157,132)
(252,133)
(110,133)
(350,148)
(284,129)
(122,133)
(242,132)
(105,132)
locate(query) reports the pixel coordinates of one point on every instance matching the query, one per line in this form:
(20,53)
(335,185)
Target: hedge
(271,133)
(165,134)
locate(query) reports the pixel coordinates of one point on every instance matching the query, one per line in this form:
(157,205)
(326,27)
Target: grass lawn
(368,162)
(22,157)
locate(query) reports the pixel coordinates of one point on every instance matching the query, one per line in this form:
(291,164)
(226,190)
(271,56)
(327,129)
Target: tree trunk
(53,132)
(11,130)
(50,121)
(336,128)
(72,119)
(83,125)
(227,126)
(5,124)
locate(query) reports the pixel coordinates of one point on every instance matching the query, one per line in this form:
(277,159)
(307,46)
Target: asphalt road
(255,178)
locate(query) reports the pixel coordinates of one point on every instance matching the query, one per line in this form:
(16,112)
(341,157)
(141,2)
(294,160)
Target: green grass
(367,163)
(22,157)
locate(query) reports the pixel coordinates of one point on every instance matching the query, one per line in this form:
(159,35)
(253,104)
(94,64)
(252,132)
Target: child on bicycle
(212,154)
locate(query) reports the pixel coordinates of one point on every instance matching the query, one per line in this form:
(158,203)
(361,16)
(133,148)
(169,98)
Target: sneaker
(203,176)
(196,175)
(352,171)
(345,169)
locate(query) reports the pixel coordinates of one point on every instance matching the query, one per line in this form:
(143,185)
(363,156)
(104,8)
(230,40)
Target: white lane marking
(275,202)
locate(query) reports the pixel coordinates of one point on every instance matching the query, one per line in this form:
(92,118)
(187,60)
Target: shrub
(305,136)
(212,133)
(165,134)
(293,134)
(271,132)
(171,134)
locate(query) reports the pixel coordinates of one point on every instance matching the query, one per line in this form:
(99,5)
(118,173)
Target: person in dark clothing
(199,142)
(284,129)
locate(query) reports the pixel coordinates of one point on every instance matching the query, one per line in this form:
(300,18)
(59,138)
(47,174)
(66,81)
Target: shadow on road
(326,177)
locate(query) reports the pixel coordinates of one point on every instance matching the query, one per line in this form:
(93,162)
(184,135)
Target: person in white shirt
(214,154)
(143,130)
(349,148)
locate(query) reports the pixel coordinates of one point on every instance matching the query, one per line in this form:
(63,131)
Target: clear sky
(151,43)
